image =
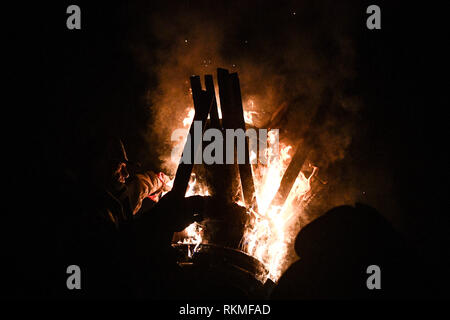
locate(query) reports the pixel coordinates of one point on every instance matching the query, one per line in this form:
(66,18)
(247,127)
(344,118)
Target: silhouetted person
(335,251)
(121,254)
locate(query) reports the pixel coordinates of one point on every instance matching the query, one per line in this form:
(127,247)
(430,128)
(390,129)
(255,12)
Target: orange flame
(270,231)
(188,120)
(269,234)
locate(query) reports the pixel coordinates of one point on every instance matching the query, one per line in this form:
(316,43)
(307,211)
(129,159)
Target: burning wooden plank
(215,173)
(226,105)
(245,169)
(214,113)
(302,150)
(202,105)
(233,118)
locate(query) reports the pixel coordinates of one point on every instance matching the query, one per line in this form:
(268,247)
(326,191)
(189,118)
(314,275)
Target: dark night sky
(71,82)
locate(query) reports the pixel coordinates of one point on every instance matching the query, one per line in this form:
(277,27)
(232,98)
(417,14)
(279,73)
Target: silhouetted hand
(181,212)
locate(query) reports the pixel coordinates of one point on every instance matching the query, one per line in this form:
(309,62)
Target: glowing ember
(193,234)
(196,189)
(248,116)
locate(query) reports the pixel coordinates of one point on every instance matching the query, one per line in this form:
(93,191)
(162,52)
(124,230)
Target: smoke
(287,55)
(184,50)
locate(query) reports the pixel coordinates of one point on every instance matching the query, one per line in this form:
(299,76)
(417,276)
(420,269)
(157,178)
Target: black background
(60,82)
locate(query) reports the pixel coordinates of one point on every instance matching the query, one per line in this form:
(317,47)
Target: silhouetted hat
(117,151)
